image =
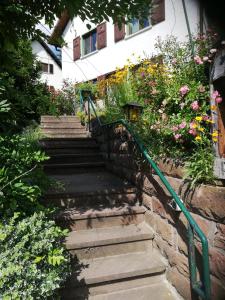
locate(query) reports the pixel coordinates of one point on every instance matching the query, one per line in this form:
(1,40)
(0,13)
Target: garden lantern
(133,111)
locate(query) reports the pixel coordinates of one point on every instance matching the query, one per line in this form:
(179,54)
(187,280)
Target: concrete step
(108,241)
(63,131)
(74,158)
(59,119)
(62,125)
(66,135)
(90,189)
(157,291)
(61,143)
(118,267)
(106,198)
(100,216)
(73,168)
(75,150)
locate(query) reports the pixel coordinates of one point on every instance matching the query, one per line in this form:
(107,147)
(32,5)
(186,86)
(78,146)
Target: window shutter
(51,69)
(76,48)
(119,34)
(101,36)
(158,11)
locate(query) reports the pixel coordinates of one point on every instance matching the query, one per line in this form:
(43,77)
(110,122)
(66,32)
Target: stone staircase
(110,241)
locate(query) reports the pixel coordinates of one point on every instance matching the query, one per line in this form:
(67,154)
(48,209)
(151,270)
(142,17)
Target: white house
(50,63)
(89,54)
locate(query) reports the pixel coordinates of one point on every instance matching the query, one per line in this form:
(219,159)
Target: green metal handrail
(202,288)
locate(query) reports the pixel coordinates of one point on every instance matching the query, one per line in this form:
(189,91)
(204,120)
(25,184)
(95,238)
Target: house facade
(50,63)
(89,54)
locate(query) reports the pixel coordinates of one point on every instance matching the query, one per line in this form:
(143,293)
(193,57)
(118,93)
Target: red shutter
(158,11)
(101,36)
(76,48)
(119,33)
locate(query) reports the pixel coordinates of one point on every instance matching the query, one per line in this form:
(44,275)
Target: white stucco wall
(116,54)
(54,79)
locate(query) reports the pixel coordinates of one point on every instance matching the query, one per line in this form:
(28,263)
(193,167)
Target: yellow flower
(215,139)
(213,107)
(194,125)
(201,129)
(215,133)
(198,138)
(198,118)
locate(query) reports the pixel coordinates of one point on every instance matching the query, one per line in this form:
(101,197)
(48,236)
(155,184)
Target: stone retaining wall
(206,204)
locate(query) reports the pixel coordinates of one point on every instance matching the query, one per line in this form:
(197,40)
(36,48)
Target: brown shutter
(101,36)
(158,11)
(76,48)
(119,33)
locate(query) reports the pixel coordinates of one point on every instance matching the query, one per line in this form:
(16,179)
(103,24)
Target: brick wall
(206,204)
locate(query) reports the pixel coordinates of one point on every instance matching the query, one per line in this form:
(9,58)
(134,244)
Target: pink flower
(212,51)
(182,105)
(184,90)
(215,94)
(198,60)
(182,125)
(177,136)
(193,132)
(205,118)
(194,105)
(219,99)
(193,125)
(201,89)
(174,61)
(175,128)
(154,92)
(205,58)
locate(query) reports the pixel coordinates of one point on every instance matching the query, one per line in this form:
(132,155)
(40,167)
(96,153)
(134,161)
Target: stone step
(61,125)
(75,150)
(59,119)
(108,241)
(157,291)
(100,216)
(61,143)
(118,267)
(74,158)
(64,131)
(66,135)
(74,168)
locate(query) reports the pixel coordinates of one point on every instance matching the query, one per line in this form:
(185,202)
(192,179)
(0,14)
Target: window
(136,25)
(90,42)
(47,68)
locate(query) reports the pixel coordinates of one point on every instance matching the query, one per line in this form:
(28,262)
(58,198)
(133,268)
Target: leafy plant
(64,100)
(21,178)
(27,97)
(33,262)
(177,114)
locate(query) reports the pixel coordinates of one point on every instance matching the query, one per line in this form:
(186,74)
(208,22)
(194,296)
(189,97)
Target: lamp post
(132,111)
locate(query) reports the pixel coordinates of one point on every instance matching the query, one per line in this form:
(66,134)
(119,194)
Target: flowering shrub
(64,100)
(173,88)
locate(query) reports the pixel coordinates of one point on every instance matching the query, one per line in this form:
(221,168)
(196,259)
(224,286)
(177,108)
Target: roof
(59,28)
(50,52)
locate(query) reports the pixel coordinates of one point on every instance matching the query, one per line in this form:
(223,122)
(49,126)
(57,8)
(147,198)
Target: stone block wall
(206,204)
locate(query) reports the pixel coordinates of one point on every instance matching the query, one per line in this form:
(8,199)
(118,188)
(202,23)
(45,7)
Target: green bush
(22,180)
(64,100)
(33,262)
(20,85)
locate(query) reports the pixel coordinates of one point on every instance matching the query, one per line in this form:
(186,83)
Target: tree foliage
(19,18)
(20,86)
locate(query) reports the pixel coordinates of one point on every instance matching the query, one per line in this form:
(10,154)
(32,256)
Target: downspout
(189,29)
